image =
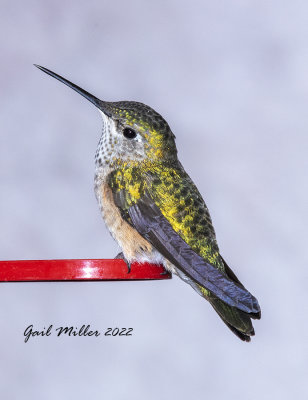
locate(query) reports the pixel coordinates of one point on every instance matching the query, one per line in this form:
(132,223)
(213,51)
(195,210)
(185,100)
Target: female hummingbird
(154,210)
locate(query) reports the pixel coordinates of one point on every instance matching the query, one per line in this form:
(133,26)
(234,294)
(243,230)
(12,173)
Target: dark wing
(147,219)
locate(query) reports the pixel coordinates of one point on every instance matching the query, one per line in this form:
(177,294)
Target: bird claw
(121,256)
(164,273)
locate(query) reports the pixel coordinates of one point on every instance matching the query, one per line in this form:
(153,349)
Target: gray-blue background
(230,77)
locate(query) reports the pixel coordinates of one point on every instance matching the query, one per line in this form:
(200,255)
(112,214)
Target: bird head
(132,132)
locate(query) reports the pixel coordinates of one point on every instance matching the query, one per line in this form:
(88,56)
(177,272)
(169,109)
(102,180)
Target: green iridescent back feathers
(178,199)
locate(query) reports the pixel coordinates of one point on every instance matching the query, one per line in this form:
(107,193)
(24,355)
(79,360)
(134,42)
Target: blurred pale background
(231,79)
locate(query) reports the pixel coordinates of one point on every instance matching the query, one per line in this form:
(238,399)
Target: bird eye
(129,133)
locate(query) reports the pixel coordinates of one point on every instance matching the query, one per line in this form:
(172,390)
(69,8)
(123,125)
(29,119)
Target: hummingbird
(155,212)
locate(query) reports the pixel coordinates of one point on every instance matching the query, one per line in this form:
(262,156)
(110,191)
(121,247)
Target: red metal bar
(80,270)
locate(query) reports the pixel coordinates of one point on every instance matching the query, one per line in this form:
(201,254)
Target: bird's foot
(166,272)
(121,256)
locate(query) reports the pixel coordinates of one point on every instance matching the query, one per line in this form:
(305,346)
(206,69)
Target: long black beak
(97,102)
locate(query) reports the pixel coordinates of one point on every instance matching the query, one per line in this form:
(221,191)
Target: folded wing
(148,220)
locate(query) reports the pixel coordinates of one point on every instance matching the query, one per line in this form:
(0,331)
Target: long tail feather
(237,321)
